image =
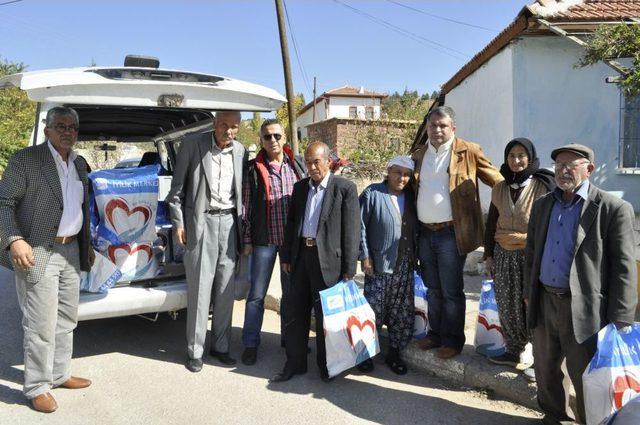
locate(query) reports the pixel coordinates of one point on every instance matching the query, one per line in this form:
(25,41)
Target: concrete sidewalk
(469,368)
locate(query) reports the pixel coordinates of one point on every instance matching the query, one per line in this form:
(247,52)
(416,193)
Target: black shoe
(194,365)
(224,358)
(250,355)
(507,359)
(285,375)
(366,366)
(325,377)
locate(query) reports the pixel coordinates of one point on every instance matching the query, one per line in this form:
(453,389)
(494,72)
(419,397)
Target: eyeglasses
(569,165)
(278,136)
(61,128)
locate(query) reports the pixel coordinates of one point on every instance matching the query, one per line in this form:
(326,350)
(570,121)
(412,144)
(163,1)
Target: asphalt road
(139,378)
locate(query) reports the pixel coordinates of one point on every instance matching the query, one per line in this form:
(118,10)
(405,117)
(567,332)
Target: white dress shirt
(434,201)
(222,187)
(72,193)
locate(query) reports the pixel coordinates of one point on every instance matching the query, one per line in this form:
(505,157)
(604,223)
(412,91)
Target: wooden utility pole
(314,100)
(293,133)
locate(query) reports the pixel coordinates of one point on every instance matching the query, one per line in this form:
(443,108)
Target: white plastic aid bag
(612,378)
(350,330)
(103,275)
(489,339)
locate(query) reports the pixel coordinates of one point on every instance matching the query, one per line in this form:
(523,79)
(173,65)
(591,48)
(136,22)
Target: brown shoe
(447,352)
(74,383)
(427,344)
(44,403)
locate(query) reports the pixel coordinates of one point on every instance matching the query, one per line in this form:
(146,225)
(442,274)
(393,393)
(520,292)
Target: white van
(139,103)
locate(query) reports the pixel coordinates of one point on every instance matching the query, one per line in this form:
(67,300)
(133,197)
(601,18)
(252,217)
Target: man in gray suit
(44,237)
(580,275)
(205,203)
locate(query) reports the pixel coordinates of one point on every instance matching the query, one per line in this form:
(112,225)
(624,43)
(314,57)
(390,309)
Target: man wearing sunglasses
(266,197)
(44,238)
(580,275)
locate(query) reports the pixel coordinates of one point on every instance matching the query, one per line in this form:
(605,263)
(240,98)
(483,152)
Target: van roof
(143,87)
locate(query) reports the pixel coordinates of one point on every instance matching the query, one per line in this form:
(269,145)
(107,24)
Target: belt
(63,240)
(558,292)
(309,242)
(218,211)
(437,226)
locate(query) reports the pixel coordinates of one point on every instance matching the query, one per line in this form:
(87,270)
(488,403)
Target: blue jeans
(262,262)
(442,267)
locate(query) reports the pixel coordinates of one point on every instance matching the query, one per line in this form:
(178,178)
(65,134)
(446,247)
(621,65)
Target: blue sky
(392,49)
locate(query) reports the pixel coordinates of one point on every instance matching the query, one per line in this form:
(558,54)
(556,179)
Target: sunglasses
(277,136)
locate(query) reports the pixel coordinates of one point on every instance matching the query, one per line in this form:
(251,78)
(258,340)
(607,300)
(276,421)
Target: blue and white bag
(489,339)
(613,376)
(421,307)
(103,275)
(127,202)
(350,332)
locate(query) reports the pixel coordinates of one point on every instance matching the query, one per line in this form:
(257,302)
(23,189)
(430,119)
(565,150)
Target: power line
(9,2)
(444,18)
(305,78)
(415,37)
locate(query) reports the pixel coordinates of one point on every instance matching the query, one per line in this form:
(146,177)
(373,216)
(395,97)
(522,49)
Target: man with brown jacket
(448,205)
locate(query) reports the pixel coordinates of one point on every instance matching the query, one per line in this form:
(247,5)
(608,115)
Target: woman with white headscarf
(387,250)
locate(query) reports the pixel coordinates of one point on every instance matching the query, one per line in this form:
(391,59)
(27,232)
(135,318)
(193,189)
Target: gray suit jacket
(190,193)
(603,275)
(31,207)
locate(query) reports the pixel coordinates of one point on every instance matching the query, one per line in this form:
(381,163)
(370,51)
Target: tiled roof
(353,91)
(586,10)
(555,11)
(343,91)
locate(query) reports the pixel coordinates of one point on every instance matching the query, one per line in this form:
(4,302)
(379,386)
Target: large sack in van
(126,201)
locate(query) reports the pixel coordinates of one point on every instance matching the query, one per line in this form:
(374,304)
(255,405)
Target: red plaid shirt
(281,183)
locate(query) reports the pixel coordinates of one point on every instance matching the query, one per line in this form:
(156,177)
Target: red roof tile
(587,10)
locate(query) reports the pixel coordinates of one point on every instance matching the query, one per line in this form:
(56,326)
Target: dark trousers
(306,282)
(442,267)
(554,341)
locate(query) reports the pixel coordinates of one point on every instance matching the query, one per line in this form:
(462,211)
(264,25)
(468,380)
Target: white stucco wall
(339,106)
(532,89)
(483,103)
(306,118)
(556,104)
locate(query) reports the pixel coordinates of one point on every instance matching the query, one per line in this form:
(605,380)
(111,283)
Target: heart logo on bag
(127,222)
(484,322)
(352,322)
(129,260)
(624,388)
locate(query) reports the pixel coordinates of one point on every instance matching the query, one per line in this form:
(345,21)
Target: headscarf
(533,170)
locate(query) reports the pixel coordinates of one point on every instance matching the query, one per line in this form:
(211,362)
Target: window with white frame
(353,112)
(630,132)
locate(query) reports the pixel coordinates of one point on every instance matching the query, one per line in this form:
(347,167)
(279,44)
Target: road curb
(468,369)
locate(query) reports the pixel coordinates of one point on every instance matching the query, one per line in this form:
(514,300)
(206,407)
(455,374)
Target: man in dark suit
(44,238)
(580,275)
(322,239)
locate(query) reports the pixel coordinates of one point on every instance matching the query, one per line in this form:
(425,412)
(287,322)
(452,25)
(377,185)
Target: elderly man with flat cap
(580,275)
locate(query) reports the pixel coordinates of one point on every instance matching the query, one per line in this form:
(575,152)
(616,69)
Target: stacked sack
(124,218)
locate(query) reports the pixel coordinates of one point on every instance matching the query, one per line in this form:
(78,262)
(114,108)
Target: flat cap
(578,149)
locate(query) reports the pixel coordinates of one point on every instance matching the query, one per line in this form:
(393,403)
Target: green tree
(256,122)
(282,114)
(616,42)
(16,115)
(406,106)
